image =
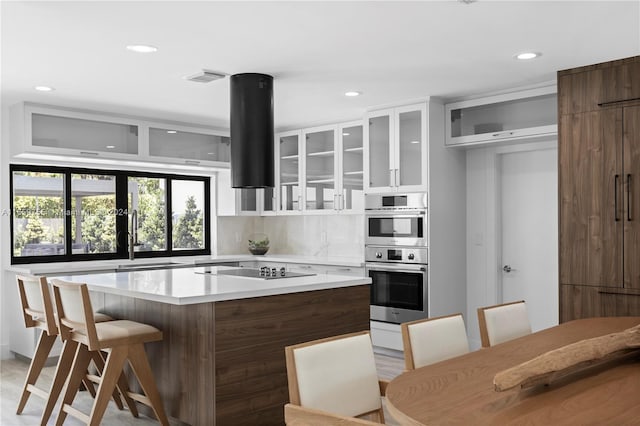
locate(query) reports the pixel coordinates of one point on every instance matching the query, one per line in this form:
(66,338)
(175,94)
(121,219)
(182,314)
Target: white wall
(302,235)
(5,244)
(483,229)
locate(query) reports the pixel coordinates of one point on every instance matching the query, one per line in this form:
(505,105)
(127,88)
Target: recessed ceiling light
(414,142)
(211,153)
(527,55)
(111,146)
(44,88)
(346,134)
(171,132)
(142,48)
(352,93)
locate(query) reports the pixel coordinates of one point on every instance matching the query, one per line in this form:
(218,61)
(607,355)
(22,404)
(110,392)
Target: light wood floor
(13,373)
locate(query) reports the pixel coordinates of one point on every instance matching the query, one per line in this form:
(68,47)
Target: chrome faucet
(133,234)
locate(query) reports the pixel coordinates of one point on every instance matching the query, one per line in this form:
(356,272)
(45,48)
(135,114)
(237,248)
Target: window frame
(121,194)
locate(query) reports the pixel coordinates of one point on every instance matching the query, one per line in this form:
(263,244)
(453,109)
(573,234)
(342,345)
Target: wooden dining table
(460,391)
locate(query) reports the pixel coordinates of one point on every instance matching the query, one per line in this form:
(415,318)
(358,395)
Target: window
(188,215)
(64,214)
(38,214)
(147,196)
(93,222)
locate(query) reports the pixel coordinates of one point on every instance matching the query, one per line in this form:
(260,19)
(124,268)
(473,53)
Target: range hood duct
(252,131)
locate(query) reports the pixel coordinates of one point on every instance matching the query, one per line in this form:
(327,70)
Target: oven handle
(396,268)
(404,213)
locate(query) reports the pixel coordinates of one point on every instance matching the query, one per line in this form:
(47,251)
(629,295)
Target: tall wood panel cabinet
(599,189)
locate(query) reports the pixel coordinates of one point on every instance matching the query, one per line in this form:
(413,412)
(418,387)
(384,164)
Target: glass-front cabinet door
(379,142)
(88,137)
(190,146)
(288,157)
(411,146)
(269,201)
(351,197)
(320,167)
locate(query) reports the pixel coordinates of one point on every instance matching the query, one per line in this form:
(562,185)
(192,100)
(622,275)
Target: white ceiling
(390,51)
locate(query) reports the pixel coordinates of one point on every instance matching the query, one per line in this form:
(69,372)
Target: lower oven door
(399,292)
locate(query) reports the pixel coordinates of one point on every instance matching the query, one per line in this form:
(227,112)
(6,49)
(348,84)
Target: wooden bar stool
(38,312)
(124,340)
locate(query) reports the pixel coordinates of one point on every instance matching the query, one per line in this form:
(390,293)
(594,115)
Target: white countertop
(111,265)
(184,286)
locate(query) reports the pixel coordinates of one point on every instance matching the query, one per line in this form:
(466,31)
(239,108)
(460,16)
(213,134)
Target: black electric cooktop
(255,273)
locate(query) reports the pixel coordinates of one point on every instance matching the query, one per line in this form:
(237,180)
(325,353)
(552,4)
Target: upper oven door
(408,228)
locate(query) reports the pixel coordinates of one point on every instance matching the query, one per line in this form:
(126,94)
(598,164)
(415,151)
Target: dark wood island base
(223,363)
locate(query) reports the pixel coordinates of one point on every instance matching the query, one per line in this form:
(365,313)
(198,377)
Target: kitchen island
(221,361)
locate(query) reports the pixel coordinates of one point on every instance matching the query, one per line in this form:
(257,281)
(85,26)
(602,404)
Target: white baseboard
(5,353)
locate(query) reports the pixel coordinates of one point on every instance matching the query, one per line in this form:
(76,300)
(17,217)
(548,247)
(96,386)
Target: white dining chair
(504,322)
(431,340)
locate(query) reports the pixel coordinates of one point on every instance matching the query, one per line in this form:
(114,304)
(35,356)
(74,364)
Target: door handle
(615,198)
(629,197)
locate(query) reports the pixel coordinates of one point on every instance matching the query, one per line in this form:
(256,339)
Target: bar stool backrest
(75,313)
(37,308)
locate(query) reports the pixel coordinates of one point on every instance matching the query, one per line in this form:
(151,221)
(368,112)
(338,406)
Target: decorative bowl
(258,244)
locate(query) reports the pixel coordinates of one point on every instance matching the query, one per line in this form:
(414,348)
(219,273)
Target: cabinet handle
(88,153)
(191,162)
(341,202)
(300,202)
(495,135)
(392,177)
(629,197)
(615,198)
(397,177)
(336,205)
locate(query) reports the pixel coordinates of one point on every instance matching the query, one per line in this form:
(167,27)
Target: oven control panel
(396,254)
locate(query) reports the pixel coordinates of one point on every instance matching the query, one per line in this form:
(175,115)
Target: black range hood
(252,131)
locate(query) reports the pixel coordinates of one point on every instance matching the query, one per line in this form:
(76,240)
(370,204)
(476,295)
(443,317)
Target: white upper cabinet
(289,155)
(521,115)
(65,133)
(350,161)
(320,166)
(396,149)
(319,170)
(188,145)
(37,129)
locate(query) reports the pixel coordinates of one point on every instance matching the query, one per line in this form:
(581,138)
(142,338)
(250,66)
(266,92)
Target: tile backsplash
(336,235)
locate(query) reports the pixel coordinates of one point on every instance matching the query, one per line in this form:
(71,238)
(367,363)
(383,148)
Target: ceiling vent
(205,76)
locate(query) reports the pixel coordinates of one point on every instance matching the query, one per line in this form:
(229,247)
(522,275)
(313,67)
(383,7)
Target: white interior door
(529,213)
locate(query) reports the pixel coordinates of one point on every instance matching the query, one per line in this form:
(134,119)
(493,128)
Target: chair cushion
(439,339)
(97,316)
(123,330)
(507,322)
(339,376)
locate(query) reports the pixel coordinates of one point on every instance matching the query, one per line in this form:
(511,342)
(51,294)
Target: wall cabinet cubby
(522,115)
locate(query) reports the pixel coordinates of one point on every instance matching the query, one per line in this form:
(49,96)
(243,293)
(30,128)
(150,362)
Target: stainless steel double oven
(396,256)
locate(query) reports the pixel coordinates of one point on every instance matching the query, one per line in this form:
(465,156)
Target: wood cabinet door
(579,91)
(622,81)
(631,143)
(590,204)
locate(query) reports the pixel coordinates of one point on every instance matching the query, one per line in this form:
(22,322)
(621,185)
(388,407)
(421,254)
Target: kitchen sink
(150,266)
